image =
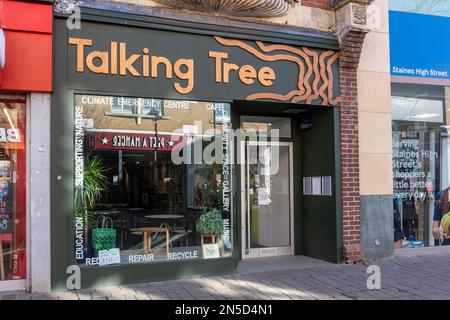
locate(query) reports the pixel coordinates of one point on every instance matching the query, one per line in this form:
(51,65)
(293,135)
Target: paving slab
(298,278)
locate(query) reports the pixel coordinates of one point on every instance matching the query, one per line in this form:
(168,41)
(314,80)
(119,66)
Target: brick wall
(351,46)
(322,4)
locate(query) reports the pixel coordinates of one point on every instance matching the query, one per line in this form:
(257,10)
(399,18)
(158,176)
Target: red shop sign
(28,46)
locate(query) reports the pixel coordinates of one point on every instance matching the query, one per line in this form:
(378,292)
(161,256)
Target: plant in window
(210,223)
(94,181)
(208,187)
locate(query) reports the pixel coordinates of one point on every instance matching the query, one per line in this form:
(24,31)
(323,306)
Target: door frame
(269,251)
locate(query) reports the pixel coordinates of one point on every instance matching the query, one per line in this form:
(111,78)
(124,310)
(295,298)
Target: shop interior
(144,190)
(136,198)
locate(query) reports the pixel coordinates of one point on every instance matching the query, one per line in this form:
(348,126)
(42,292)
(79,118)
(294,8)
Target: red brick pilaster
(351,46)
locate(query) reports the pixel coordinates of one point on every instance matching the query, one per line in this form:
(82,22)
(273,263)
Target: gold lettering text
(227,67)
(145,62)
(246,74)
(126,64)
(100,55)
(113,57)
(266,76)
(156,61)
(80,43)
(218,56)
(187,75)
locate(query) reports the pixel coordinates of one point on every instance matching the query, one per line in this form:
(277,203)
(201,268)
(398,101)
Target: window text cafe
(119,62)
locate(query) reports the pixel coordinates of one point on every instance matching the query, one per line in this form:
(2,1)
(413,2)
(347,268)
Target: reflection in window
(431,7)
(416,109)
(416,167)
(263,125)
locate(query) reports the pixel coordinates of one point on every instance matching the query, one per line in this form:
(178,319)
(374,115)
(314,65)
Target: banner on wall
(419,46)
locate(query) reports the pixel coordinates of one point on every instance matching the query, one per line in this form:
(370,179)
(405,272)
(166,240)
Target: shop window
(146,190)
(416,109)
(420,173)
(12,190)
(438,8)
(265,125)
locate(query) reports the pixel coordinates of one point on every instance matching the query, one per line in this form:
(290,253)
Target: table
(111,205)
(122,205)
(165,217)
(105,212)
(147,232)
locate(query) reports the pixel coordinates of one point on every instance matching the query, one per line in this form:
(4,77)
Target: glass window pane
(437,8)
(146,189)
(420,173)
(12,190)
(264,124)
(415,109)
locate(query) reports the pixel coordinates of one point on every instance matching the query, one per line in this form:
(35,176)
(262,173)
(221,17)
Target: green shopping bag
(104,237)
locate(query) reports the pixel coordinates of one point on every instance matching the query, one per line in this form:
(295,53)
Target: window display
(145,189)
(420,173)
(12,190)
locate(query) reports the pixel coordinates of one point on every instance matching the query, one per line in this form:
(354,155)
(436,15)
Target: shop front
(13,235)
(179,149)
(25,86)
(420,122)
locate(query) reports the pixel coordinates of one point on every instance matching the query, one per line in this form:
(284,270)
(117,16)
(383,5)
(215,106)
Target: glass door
(13,213)
(267,223)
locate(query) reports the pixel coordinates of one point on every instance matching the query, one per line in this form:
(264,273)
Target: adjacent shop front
(179,149)
(25,86)
(420,122)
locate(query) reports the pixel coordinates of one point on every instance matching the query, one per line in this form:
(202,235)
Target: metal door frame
(245,204)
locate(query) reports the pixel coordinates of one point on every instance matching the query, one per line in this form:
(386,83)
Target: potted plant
(210,225)
(87,195)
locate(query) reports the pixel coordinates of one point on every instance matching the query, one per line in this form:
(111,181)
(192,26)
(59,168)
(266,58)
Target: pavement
(287,278)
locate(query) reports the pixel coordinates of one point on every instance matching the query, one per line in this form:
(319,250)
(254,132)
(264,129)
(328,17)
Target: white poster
(263,197)
(211,251)
(316,186)
(107,257)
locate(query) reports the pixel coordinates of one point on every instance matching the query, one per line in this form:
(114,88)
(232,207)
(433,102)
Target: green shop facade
(181,148)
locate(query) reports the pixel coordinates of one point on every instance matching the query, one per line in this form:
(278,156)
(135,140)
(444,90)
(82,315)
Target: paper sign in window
(326,186)
(263,197)
(316,186)
(307,186)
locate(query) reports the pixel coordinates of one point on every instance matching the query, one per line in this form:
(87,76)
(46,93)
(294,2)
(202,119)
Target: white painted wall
(39,191)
